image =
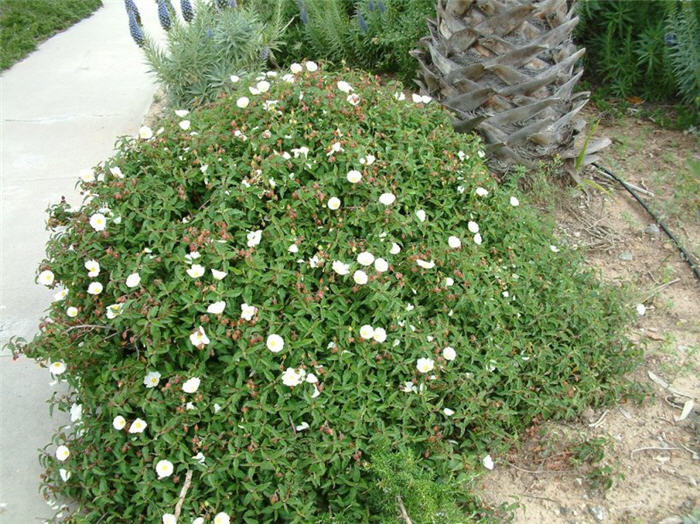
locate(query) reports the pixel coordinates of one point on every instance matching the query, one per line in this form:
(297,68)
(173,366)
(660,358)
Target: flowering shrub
(261,294)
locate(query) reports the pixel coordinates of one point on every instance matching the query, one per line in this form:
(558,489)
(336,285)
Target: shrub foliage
(444,350)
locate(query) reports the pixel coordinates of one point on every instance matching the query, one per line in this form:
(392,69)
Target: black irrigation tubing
(686,256)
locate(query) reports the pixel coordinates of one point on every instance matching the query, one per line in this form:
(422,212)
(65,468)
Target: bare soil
(653,458)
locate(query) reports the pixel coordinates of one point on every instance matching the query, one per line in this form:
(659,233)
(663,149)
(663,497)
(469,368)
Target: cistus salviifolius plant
(266,293)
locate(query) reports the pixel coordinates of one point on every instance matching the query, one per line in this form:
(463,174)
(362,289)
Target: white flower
(462,155)
(387,199)
(133,280)
(480,191)
(116,171)
(218,275)
(152,379)
(64,474)
(311,378)
(222,518)
(98,222)
(473,227)
(95,288)
(354,176)
(409,387)
(235,79)
(200,458)
(119,422)
(114,310)
(454,242)
(275,343)
(263,86)
(344,86)
(303,150)
(254,90)
(449,281)
(449,353)
(138,426)
(243,102)
(145,133)
(341,268)
(365,258)
(199,337)
(477,239)
(641,309)
(196,271)
(312,67)
(60,295)
(366,332)
(353,99)
(416,98)
(86,175)
(488,462)
(296,68)
(514,201)
(289,78)
(168,518)
(360,277)
(254,238)
(425,265)
(181,112)
(62,453)
(505,294)
(302,426)
(46,277)
(216,307)
(333,203)
(421,215)
(293,248)
(553,248)
(184,125)
(460,189)
(72,312)
(395,249)
(164,468)
(248,312)
(368,160)
(204,168)
(381,265)
(217,408)
(76,412)
(93,267)
(400,96)
(425,365)
(481,154)
(314,261)
(191,385)
(379,334)
(448,412)
(291,377)
(57,368)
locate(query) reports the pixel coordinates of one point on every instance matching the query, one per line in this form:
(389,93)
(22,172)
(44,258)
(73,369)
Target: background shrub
(373,35)
(243,187)
(201,55)
(647,49)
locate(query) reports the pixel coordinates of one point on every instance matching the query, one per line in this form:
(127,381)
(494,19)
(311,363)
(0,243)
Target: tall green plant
(648,49)
(200,56)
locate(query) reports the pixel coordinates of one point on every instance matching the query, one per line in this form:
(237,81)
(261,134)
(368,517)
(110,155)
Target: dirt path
(649,483)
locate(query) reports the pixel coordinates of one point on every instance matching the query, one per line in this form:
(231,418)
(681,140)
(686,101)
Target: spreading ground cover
(23,25)
(268,305)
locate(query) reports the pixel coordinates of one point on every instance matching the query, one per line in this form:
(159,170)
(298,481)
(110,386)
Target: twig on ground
(599,421)
(659,288)
(526,470)
(540,498)
(183,492)
(402,509)
(652,448)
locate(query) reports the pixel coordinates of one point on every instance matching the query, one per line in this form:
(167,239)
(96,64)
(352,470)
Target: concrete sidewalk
(62,109)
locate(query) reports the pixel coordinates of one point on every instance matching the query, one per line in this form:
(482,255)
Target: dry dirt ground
(651,457)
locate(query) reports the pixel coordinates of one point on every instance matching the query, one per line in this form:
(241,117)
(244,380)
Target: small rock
(652,229)
(626,256)
(597,512)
